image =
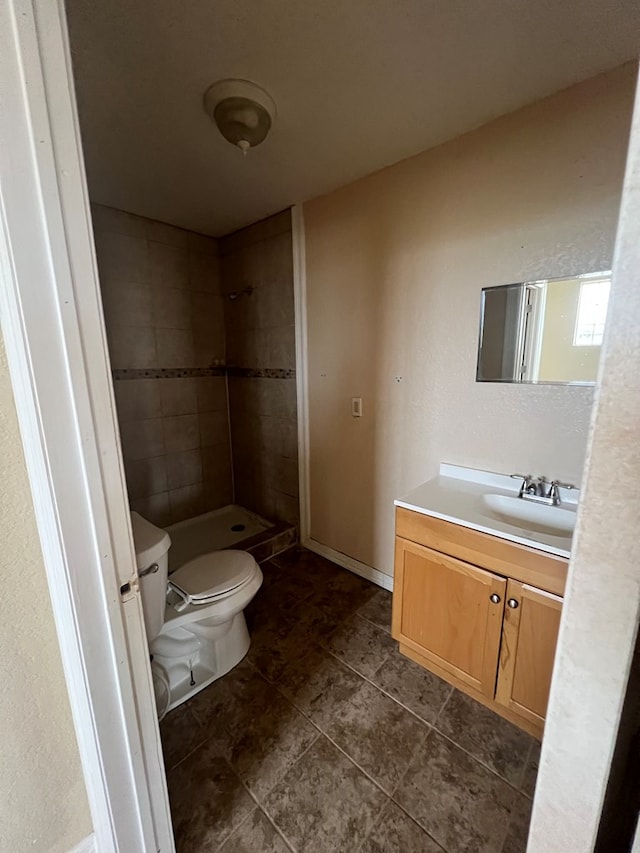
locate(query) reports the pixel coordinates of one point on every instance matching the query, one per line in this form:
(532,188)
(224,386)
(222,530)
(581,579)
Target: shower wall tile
(174,347)
(171,308)
(263,411)
(217,494)
(211,393)
(137,399)
(122,258)
(132,347)
(282,347)
(161,232)
(112,221)
(183,469)
(128,304)
(216,463)
(146,476)
(142,439)
(178,396)
(204,272)
(169,266)
(163,309)
(155,508)
(214,428)
(202,244)
(181,433)
(186,502)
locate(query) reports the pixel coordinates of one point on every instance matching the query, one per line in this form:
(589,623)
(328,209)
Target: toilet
(194,617)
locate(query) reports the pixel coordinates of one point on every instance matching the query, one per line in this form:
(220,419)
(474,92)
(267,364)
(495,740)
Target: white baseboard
(87,845)
(355,566)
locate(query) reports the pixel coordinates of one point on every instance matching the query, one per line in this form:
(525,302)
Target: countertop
(456,495)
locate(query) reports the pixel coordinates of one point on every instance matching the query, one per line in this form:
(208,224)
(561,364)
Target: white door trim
(302,380)
(56,347)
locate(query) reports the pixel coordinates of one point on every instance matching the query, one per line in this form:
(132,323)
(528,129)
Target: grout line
(236,828)
(430,725)
(184,757)
(265,812)
(524,768)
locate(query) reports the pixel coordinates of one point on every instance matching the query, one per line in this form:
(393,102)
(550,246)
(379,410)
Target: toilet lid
(213,574)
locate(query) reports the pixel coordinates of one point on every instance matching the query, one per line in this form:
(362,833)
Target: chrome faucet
(539,490)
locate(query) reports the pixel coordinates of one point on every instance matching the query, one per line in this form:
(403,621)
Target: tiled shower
(202,348)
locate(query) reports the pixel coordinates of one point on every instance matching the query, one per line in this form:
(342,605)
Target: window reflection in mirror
(543,331)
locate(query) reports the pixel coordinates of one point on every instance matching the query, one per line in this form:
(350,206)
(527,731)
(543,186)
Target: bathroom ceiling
(358,85)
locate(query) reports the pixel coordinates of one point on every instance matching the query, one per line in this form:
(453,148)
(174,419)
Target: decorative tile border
(167,372)
(189,372)
(261,372)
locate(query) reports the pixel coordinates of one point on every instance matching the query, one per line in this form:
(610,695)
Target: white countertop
(456,495)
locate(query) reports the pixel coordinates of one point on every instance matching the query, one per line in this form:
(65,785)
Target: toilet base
(209,653)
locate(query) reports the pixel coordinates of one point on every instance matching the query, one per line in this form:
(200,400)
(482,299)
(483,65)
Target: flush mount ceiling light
(242,112)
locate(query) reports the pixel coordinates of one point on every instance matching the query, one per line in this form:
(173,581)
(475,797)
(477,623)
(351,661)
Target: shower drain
(237,528)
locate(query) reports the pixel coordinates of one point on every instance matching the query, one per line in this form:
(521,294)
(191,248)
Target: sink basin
(550,520)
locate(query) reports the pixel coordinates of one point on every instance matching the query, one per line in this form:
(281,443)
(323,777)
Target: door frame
(55,340)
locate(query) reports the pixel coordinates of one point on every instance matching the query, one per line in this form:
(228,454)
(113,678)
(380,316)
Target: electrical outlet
(356,407)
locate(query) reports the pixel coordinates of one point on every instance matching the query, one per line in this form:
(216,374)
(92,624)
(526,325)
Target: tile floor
(325,738)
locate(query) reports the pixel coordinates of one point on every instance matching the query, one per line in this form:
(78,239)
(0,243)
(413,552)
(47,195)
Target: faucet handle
(563,485)
(554,490)
(525,485)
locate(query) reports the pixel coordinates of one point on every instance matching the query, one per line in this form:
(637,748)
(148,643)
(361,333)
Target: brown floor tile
(281,641)
(395,832)
(318,631)
(315,568)
(324,803)
(378,609)
(530,776)
(378,734)
(413,685)
(360,644)
(282,589)
(255,835)
(518,832)
(208,801)
(319,685)
(266,734)
(490,738)
(180,733)
(460,803)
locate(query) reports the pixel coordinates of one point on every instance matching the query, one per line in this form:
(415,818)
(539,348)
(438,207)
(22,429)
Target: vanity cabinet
(529,636)
(480,612)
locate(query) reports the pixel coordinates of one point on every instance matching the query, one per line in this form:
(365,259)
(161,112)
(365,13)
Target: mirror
(543,331)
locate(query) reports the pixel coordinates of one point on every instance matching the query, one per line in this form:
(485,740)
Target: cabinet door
(443,609)
(527,651)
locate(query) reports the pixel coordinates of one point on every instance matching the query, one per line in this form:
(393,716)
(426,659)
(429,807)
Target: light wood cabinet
(529,637)
(461,626)
(469,607)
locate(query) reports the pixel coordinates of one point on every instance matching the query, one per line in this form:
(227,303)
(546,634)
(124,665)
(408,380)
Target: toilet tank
(152,546)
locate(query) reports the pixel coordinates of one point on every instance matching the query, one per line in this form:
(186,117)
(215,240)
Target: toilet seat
(211,576)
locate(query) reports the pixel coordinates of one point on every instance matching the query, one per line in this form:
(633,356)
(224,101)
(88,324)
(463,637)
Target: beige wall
(395,265)
(598,642)
(43,804)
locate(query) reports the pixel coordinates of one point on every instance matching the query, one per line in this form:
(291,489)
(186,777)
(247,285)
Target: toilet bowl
(194,617)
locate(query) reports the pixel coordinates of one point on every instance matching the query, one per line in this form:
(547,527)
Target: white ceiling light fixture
(241,110)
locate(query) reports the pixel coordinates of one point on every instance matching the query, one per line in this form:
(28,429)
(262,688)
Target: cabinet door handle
(494,598)
(513,603)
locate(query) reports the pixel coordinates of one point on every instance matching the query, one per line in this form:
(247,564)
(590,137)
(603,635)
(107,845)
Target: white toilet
(195,623)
